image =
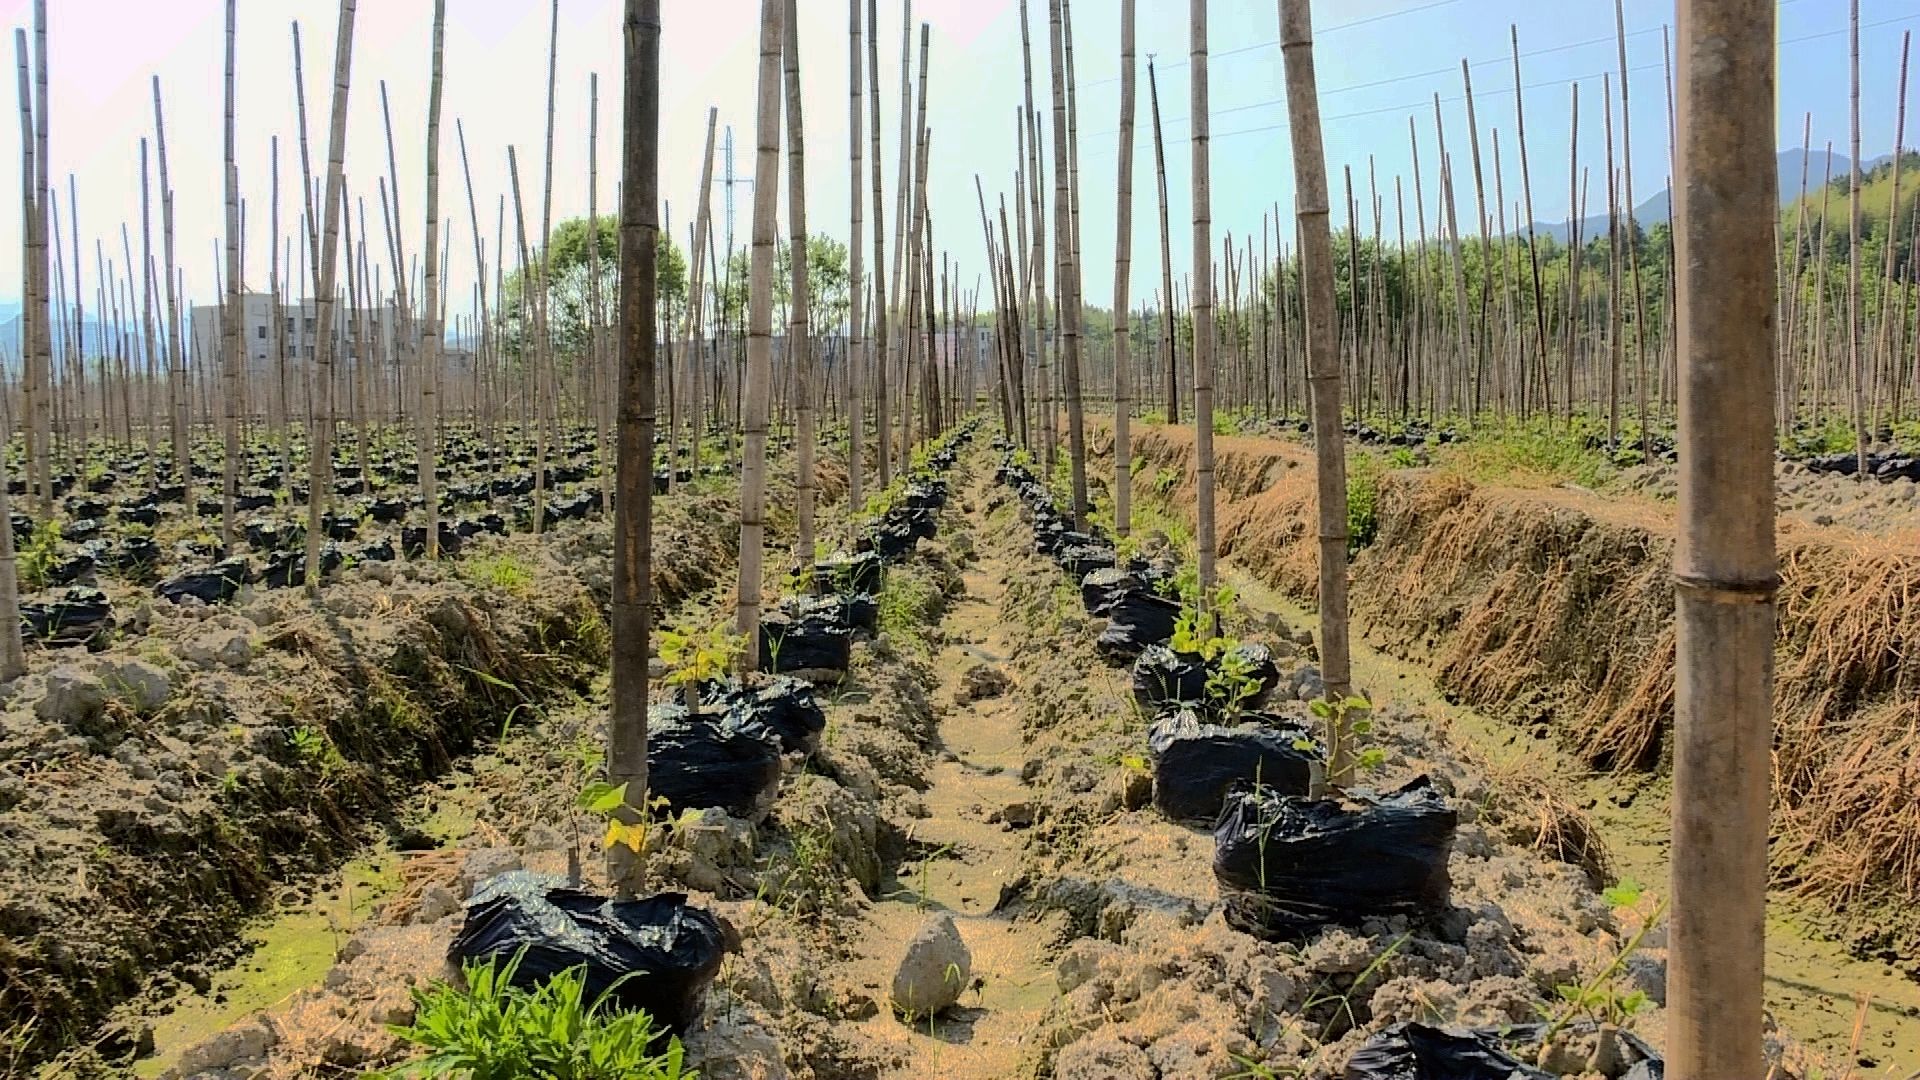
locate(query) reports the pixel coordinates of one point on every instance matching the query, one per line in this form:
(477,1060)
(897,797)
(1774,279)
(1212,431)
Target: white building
(257,330)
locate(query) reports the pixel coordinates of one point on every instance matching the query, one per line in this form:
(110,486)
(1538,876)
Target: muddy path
(965,857)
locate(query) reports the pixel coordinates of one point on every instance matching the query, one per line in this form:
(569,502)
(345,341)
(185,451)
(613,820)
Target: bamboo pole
(759,368)
(1171,364)
(180,421)
(427,423)
(41,404)
(1724,564)
(233,316)
(1853,248)
(1122,269)
(799,342)
(856,318)
(1202,305)
(632,607)
(883,460)
(1066,274)
(320,443)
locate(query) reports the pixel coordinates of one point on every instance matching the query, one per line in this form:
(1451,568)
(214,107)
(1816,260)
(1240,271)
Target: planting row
(1293,851)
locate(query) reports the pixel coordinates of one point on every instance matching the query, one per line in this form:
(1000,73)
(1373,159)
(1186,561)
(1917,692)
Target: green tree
(570,294)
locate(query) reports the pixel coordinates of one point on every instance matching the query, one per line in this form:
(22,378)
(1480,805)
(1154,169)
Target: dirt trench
(1534,626)
(964,848)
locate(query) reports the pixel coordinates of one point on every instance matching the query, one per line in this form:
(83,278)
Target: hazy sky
(1381,61)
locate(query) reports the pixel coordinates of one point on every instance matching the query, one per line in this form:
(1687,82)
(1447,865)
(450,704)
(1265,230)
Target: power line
(1335,28)
(1491,92)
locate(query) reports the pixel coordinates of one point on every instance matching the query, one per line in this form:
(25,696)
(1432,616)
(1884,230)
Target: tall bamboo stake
(1066,274)
(1122,268)
(428,374)
(759,371)
(883,463)
(179,420)
(856,324)
(1853,247)
(1724,565)
(1329,451)
(232,317)
(1171,362)
(799,344)
(632,607)
(320,445)
(1202,305)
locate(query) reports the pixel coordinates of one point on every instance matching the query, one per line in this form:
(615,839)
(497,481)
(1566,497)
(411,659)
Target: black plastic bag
(79,616)
(145,513)
(655,954)
(132,554)
(842,572)
(1099,587)
(289,568)
(274,535)
(1079,560)
(72,569)
(713,759)
(1135,620)
(855,611)
(210,585)
(1195,764)
(813,642)
(782,704)
(1164,677)
(1418,1052)
(890,540)
(1286,863)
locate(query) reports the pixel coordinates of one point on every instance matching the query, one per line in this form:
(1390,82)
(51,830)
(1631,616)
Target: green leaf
(601,797)
(1320,709)
(1626,894)
(1356,703)
(1372,758)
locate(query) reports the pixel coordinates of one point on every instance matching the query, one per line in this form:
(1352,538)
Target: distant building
(300,328)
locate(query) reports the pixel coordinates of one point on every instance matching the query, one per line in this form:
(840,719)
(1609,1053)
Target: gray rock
(73,697)
(243,1043)
(481,864)
(218,648)
(1306,684)
(543,837)
(138,685)
(716,843)
(935,969)
(436,903)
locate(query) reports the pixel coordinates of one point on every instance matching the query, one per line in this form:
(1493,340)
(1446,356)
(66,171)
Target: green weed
(495,1031)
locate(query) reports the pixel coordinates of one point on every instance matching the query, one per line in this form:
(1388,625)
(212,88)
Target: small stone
(73,697)
(483,864)
(543,837)
(1017,814)
(980,682)
(934,971)
(236,1044)
(717,842)
(436,903)
(137,684)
